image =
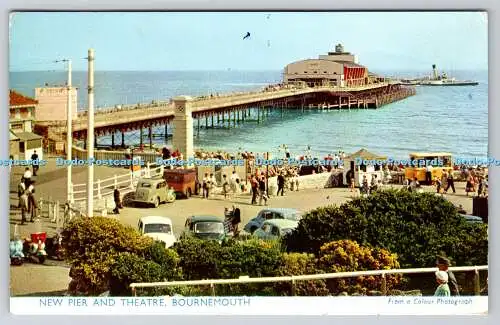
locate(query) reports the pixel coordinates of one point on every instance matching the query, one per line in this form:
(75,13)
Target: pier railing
(162,109)
(295,278)
(146,157)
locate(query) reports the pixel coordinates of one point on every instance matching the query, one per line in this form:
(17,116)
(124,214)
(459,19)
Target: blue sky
(213,41)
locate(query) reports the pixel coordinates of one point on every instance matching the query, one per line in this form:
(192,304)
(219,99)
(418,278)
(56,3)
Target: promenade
(54,277)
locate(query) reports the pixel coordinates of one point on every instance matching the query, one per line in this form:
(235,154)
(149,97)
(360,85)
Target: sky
(165,41)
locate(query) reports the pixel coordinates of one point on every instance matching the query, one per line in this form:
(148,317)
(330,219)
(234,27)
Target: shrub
(167,259)
(300,264)
(91,246)
(200,259)
(349,256)
(130,268)
(416,226)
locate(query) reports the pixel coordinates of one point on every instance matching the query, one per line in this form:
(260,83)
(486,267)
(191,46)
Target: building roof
(17,99)
(350,64)
(12,136)
(365,154)
(27,136)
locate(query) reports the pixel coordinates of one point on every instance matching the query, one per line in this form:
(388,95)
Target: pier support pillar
(183,126)
(198,131)
(140,136)
(212,121)
(206,122)
(234,118)
(150,133)
(223,115)
(123,139)
(113,140)
(166,131)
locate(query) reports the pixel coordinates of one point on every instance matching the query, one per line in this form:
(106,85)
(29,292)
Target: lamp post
(69,136)
(90,136)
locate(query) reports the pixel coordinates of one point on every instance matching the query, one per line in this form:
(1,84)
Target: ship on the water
(437,79)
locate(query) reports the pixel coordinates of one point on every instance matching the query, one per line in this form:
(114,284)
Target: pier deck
(133,117)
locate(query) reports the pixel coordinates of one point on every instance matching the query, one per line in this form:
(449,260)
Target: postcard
(248,163)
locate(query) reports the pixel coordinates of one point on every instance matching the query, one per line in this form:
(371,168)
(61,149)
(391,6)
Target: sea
(436,119)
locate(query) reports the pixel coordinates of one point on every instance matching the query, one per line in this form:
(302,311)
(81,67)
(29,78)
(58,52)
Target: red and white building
(337,68)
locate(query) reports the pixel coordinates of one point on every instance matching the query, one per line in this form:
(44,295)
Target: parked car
(275,228)
(205,227)
(472,219)
(183,181)
(158,228)
(153,191)
(272,213)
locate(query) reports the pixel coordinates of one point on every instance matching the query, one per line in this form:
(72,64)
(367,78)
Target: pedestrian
(212,185)
(236,220)
(262,191)
(32,205)
(366,188)
(27,176)
(480,186)
(443,264)
(118,204)
(437,181)
(225,186)
(414,184)
(469,187)
(23,202)
(281,184)
(450,183)
(35,163)
(296,181)
(255,189)
(442,279)
(206,183)
(373,185)
(21,188)
(428,174)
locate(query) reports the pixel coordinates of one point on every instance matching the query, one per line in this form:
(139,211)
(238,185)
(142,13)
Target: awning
(26,136)
(12,136)
(365,154)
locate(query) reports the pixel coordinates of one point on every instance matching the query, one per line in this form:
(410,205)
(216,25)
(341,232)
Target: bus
(440,161)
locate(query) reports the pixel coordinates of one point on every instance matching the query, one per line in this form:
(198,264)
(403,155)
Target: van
(182,181)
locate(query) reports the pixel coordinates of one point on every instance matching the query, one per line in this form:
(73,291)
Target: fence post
(294,289)
(148,170)
(40,206)
(212,288)
(477,283)
(98,189)
(116,181)
(384,285)
(71,193)
(49,214)
(57,212)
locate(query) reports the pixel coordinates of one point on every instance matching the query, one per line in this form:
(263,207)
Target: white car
(158,228)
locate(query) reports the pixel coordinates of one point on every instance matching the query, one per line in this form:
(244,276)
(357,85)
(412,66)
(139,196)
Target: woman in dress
(442,279)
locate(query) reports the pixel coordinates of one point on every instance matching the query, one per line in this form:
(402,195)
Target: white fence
(104,188)
(294,278)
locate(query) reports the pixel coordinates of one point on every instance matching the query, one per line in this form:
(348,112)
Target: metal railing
(294,278)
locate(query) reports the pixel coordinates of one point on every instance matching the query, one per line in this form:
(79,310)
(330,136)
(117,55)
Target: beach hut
(363,163)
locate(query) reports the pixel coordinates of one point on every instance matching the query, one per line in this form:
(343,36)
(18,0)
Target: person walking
(255,189)
(206,184)
(428,174)
(35,163)
(32,205)
(469,187)
(262,191)
(281,184)
(366,188)
(23,202)
(236,220)
(27,176)
(437,181)
(118,204)
(443,289)
(21,188)
(450,183)
(443,264)
(225,186)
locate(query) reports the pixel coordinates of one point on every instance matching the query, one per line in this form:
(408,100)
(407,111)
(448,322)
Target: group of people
(229,185)
(26,195)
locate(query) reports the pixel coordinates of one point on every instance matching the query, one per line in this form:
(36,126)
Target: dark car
(205,227)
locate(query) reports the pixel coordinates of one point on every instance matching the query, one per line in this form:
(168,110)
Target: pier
(227,111)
